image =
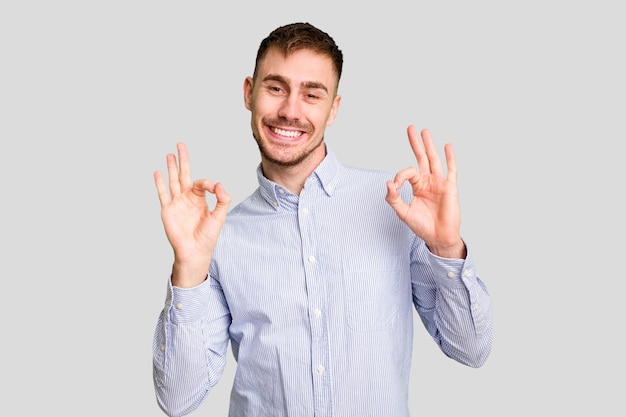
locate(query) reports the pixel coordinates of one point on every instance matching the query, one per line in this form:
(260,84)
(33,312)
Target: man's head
(296,36)
(292,96)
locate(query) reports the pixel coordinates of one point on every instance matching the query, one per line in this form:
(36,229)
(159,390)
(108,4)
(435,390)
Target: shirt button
(179,306)
(311,258)
(317,312)
(162,348)
(280,190)
(467,272)
(320,369)
(450,274)
(475,306)
(275,203)
(305,210)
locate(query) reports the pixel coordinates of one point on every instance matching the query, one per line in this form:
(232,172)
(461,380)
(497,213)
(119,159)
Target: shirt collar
(324,176)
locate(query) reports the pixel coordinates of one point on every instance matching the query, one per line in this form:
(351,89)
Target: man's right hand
(191,227)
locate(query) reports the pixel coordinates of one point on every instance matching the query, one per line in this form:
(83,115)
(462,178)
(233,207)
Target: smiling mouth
(287,133)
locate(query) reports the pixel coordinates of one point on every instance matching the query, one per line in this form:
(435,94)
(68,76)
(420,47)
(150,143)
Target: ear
(333,110)
(248,83)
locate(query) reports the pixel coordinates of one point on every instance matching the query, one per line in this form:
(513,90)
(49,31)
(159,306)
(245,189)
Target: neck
(292,177)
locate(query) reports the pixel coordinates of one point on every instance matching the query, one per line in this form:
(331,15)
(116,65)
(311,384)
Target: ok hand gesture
(191,227)
(433,214)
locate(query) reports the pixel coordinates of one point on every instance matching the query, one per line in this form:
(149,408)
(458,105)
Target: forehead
(303,65)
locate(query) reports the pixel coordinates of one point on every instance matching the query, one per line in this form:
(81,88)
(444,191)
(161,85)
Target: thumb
(223,201)
(395,200)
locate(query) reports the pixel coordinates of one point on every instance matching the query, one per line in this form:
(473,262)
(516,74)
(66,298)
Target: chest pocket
(375,289)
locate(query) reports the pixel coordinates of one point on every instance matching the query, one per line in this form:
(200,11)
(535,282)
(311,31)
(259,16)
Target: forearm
(463,318)
(455,307)
(189,349)
(181,377)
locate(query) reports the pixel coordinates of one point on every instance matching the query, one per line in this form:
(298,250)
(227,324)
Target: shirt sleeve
(454,305)
(189,346)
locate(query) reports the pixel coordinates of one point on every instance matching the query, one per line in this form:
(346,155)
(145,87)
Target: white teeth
(288,133)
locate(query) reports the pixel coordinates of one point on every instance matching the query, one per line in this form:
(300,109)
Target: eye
(313,95)
(275,89)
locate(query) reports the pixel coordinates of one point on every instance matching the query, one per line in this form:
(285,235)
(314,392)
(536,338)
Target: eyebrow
(306,84)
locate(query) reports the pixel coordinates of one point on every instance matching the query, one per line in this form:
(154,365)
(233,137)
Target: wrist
(454,251)
(188,275)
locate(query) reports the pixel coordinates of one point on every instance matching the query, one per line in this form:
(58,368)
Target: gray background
(94,94)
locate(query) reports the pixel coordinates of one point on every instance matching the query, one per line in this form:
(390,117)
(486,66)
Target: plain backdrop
(93,94)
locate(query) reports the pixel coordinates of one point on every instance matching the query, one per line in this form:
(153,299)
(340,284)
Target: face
(292,100)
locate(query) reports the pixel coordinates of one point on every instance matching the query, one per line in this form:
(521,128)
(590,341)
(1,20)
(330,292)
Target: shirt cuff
(187,305)
(454,272)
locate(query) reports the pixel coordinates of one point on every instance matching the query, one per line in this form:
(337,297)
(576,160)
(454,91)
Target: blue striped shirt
(315,294)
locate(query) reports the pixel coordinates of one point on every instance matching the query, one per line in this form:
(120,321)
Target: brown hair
(296,36)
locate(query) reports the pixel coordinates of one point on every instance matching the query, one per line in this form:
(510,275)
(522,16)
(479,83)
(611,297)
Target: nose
(290,107)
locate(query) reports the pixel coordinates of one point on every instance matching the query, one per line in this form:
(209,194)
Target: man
(314,277)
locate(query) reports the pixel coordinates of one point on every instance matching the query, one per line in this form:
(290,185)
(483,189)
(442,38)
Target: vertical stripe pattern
(316,293)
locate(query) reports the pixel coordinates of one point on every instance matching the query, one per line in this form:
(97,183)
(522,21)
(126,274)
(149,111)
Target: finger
(451,162)
(164,198)
(200,187)
(431,151)
(410,174)
(223,202)
(172,172)
(395,201)
(184,176)
(418,150)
